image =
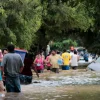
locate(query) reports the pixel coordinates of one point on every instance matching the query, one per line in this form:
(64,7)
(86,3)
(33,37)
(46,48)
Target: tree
(91,38)
(62,18)
(36,22)
(65,44)
(74,18)
(19,20)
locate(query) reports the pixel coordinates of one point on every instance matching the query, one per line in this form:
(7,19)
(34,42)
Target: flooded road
(60,93)
(67,85)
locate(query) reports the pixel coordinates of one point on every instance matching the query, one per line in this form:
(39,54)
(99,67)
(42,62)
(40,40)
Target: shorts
(55,70)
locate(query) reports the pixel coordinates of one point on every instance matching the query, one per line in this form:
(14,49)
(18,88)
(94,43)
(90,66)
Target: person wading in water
(12,66)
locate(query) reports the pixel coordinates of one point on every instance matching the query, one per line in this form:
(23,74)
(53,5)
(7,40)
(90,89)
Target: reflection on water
(61,93)
(75,95)
(50,96)
(14,96)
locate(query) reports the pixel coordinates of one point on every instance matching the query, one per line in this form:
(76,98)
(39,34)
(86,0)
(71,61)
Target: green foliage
(19,21)
(62,18)
(75,18)
(36,22)
(65,44)
(91,38)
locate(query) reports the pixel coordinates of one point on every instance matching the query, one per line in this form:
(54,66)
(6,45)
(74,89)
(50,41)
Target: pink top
(1,55)
(48,64)
(39,63)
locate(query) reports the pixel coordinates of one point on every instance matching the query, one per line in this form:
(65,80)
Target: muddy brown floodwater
(67,85)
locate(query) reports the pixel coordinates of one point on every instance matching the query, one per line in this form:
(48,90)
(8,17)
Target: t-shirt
(74,60)
(12,63)
(39,63)
(71,54)
(27,67)
(54,60)
(66,58)
(48,64)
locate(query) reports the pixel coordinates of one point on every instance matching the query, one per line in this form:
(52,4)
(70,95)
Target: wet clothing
(66,58)
(48,65)
(24,79)
(39,63)
(13,84)
(40,71)
(12,63)
(86,57)
(54,60)
(65,67)
(48,68)
(56,70)
(26,74)
(74,67)
(27,67)
(74,60)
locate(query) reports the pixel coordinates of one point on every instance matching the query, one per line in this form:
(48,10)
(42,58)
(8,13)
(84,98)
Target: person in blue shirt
(86,57)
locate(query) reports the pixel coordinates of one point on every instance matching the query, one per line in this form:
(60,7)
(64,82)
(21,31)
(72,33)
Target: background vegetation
(33,23)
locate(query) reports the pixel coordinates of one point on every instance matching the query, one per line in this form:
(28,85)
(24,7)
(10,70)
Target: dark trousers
(74,67)
(55,70)
(13,84)
(40,71)
(24,79)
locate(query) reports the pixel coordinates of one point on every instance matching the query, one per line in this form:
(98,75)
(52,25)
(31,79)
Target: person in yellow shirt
(66,58)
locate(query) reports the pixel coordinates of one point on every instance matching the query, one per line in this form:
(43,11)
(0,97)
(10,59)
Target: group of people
(14,70)
(52,61)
